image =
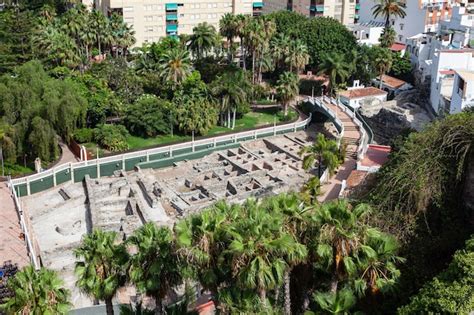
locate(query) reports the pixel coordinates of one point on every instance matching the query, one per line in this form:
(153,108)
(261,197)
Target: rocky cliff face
(387,125)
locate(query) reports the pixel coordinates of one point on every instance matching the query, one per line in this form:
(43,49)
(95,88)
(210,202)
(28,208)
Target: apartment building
(153,19)
(345,11)
(422,16)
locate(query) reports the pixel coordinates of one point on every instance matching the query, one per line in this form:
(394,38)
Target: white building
(358,95)
(367,33)
(153,19)
(463,91)
(422,16)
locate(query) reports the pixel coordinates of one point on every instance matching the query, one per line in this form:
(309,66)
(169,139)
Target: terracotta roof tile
(392,82)
(362,92)
(398,47)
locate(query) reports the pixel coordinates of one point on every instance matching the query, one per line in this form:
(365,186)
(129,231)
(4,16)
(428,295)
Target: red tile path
(12,243)
(352,136)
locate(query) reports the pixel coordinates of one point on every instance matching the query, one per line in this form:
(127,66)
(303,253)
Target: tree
(336,68)
(101,266)
(311,190)
(382,62)
(232,88)
(228,28)
(203,40)
(297,56)
(155,268)
(36,292)
(323,151)
(337,303)
(287,89)
(111,137)
(175,66)
(389,8)
(387,38)
(401,65)
(195,113)
(150,116)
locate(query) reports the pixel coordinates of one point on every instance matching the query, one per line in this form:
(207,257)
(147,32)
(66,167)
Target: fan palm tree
(387,38)
(203,40)
(228,29)
(232,89)
(175,66)
(378,263)
(101,266)
(337,303)
(297,56)
(341,235)
(324,151)
(240,29)
(280,49)
(389,8)
(311,190)
(336,68)
(382,62)
(287,89)
(37,293)
(99,23)
(154,269)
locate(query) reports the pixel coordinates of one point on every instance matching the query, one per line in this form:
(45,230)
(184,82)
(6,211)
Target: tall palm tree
(155,267)
(99,23)
(287,89)
(36,292)
(228,29)
(336,68)
(280,49)
(175,66)
(203,40)
(378,261)
(297,56)
(342,233)
(101,266)
(232,89)
(389,8)
(324,151)
(382,62)
(240,29)
(387,38)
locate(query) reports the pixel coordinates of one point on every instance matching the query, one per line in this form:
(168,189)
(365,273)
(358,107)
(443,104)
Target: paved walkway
(352,137)
(12,243)
(67,155)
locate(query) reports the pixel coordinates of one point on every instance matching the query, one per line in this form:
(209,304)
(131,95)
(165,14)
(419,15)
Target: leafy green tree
(195,113)
(450,292)
(335,66)
(37,293)
(388,37)
(155,268)
(324,152)
(203,40)
(111,137)
(382,62)
(388,9)
(43,140)
(175,66)
(149,116)
(101,266)
(287,89)
(401,65)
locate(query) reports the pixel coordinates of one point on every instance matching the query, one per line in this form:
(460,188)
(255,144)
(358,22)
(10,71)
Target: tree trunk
(109,307)
(253,67)
(233,118)
(242,53)
(319,167)
(158,305)
(262,293)
(381,81)
(287,293)
(286,108)
(228,118)
(333,284)
(387,21)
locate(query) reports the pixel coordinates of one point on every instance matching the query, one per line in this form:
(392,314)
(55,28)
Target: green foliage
(37,293)
(451,292)
(149,116)
(324,152)
(111,137)
(84,135)
(287,89)
(195,113)
(387,38)
(401,65)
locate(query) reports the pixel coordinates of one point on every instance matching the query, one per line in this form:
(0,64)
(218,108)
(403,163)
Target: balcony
(171,17)
(172,28)
(257,5)
(317,8)
(171,7)
(357,7)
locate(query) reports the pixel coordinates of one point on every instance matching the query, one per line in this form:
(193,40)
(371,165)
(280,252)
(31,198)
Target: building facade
(153,19)
(345,11)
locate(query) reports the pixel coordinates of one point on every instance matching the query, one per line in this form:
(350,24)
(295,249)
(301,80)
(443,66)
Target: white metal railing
(210,142)
(24,226)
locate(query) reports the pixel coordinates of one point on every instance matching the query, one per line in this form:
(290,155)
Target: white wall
(458,103)
(355,103)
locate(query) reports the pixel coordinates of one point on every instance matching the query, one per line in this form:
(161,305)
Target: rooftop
(398,47)
(392,82)
(376,155)
(466,75)
(362,92)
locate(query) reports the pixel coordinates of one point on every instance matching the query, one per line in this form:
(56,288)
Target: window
(149,29)
(127,9)
(400,38)
(401,26)
(148,18)
(148,7)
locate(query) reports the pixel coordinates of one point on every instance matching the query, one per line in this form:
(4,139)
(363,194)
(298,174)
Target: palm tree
(311,190)
(101,266)
(388,8)
(324,151)
(232,90)
(382,62)
(203,39)
(280,49)
(337,303)
(99,23)
(341,235)
(297,56)
(155,267)
(228,29)
(175,66)
(287,89)
(36,292)
(336,68)
(240,29)
(387,38)
(378,263)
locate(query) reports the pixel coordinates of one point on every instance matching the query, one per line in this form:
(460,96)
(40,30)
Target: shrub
(84,135)
(149,116)
(111,137)
(291,116)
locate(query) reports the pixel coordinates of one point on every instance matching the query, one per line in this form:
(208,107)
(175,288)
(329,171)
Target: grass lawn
(247,122)
(16,170)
